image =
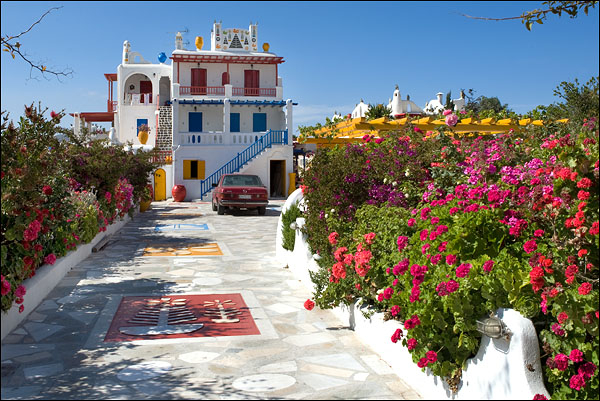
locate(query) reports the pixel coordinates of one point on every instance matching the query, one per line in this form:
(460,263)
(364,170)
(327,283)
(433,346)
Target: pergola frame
(352,130)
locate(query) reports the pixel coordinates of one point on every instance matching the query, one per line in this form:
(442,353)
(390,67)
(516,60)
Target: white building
(209,111)
(435,106)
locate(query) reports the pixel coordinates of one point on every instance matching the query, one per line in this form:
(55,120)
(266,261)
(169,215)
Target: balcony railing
(111,105)
(220,91)
(202,90)
(254,91)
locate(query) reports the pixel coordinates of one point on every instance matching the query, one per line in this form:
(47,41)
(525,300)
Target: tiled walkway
(60,352)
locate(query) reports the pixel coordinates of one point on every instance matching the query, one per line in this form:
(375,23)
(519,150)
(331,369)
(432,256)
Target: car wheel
(214,207)
(220,209)
(262,210)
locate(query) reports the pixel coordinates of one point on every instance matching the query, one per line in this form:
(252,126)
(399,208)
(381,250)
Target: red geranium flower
(309,305)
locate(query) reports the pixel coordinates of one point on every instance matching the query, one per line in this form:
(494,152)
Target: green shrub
(289,235)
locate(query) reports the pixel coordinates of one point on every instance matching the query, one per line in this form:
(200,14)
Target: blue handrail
(272,137)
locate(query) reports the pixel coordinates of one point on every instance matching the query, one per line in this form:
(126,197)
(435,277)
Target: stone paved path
(59,351)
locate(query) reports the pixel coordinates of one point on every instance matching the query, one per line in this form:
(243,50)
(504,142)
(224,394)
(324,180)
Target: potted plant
(143,133)
(146,199)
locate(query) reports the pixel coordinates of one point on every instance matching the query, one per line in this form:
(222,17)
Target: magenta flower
(411,222)
(411,344)
(431,356)
(20,291)
(561,361)
(487,266)
(5,286)
(576,355)
(557,329)
(388,292)
(584,288)
(402,242)
(463,270)
(577,382)
(587,370)
(530,246)
(540,397)
(452,286)
(50,259)
(332,237)
(450,259)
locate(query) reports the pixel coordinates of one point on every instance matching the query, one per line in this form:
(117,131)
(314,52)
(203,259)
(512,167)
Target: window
(234,122)
(140,122)
(193,169)
(195,121)
(259,122)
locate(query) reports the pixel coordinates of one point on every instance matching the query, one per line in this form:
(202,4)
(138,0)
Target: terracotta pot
(143,137)
(178,193)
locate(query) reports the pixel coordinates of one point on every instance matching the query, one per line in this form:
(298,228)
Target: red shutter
(225,78)
(198,81)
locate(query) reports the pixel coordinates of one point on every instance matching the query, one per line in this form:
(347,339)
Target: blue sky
(335,52)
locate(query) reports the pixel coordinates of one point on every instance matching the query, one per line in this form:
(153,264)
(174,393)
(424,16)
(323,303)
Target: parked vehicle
(240,191)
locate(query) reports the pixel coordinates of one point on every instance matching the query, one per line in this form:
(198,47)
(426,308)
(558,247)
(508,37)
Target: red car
(240,191)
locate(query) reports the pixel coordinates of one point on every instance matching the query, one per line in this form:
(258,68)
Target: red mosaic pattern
(198,305)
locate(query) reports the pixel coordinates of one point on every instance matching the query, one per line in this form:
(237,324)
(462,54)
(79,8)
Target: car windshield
(242,181)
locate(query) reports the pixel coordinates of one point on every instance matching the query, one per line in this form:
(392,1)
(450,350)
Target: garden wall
(48,276)
(501,369)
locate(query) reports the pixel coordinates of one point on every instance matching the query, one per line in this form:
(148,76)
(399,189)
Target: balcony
(138,99)
(254,92)
(228,91)
(111,106)
(202,90)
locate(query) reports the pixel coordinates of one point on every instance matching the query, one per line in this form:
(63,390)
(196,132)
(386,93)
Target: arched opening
(138,90)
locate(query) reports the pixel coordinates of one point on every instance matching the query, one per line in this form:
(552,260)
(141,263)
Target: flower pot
(145,205)
(178,193)
(143,137)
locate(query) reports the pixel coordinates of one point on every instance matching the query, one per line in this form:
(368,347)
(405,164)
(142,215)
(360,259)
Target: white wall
(212,117)
(216,156)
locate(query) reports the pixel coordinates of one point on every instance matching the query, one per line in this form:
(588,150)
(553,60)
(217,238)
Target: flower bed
(57,194)
(437,232)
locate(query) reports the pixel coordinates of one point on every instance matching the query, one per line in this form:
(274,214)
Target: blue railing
(234,165)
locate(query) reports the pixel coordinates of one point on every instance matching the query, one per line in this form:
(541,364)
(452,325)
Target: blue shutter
(259,122)
(195,121)
(234,122)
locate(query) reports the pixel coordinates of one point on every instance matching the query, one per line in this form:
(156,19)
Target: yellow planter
(143,137)
(145,205)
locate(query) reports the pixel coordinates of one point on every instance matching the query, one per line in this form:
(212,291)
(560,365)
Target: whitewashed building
(210,112)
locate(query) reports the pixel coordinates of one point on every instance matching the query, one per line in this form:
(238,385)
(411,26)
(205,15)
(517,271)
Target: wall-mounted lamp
(194,108)
(493,327)
(258,108)
(293,225)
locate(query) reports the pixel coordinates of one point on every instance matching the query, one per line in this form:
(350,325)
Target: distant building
(209,112)
(399,107)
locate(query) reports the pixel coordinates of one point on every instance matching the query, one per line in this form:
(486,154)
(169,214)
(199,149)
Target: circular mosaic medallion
(263,382)
(144,371)
(207,281)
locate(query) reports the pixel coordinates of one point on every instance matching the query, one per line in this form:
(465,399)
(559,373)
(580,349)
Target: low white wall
(498,371)
(48,276)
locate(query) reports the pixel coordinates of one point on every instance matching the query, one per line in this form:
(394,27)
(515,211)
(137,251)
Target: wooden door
(198,81)
(146,90)
(160,185)
(251,82)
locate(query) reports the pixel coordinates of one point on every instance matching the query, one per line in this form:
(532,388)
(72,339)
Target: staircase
(244,157)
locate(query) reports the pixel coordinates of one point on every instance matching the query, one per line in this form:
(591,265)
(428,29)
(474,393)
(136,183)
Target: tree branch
(15,48)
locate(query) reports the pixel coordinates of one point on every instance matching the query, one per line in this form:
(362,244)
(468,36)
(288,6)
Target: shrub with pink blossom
(487,222)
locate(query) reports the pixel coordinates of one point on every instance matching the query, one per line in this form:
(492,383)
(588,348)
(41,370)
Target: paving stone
(43,370)
(298,354)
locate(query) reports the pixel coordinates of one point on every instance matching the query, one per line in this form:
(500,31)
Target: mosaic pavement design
(176,227)
(206,249)
(181,316)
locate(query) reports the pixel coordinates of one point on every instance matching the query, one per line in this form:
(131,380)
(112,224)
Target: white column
(226,121)
(289,120)
(228,91)
(175,122)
